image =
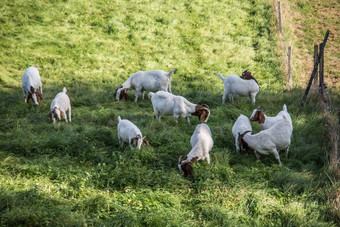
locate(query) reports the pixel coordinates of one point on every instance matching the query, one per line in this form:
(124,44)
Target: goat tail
(64,90)
(36,66)
(172,71)
(119,119)
(220,76)
(284,108)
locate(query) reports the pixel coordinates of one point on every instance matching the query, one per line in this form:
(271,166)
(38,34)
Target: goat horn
(180,159)
(205,105)
(133,139)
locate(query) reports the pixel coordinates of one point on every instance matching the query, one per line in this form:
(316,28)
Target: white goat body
(178,106)
(154,80)
(60,104)
(266,121)
(201,142)
(130,133)
(234,85)
(241,125)
(271,140)
(31,82)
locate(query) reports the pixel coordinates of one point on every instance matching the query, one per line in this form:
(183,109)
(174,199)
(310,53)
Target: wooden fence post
(290,79)
(316,78)
(315,67)
(321,71)
(279,15)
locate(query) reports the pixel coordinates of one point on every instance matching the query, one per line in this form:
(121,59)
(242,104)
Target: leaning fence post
(290,79)
(321,75)
(315,68)
(316,78)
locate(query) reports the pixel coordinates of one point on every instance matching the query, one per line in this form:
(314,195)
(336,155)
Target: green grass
(77,173)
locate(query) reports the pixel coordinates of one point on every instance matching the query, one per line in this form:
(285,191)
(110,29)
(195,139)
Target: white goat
(178,106)
(271,140)
(30,84)
(154,80)
(241,125)
(242,86)
(201,143)
(60,104)
(130,133)
(267,122)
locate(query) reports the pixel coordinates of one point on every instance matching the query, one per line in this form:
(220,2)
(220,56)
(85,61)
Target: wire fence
(317,79)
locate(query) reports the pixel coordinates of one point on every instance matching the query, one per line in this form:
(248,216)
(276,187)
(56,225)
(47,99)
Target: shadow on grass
(33,207)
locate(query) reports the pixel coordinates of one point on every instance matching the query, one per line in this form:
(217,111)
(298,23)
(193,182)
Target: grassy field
(77,173)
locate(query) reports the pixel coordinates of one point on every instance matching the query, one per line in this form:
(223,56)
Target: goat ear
(193,160)
(187,169)
(145,141)
(29,96)
(132,140)
(126,96)
(40,95)
(204,115)
(261,117)
(50,116)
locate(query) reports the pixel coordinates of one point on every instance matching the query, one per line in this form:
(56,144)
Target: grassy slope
(78,174)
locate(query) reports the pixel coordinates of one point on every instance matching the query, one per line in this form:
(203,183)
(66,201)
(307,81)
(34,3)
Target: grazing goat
(235,85)
(60,104)
(154,80)
(30,84)
(201,143)
(267,122)
(269,141)
(241,125)
(130,133)
(178,106)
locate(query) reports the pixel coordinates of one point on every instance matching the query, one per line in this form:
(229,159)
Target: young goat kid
(241,125)
(269,141)
(242,86)
(130,133)
(201,143)
(178,106)
(30,84)
(60,104)
(267,122)
(154,80)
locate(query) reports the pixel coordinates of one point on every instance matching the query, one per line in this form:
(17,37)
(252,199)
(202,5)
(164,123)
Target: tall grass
(78,174)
